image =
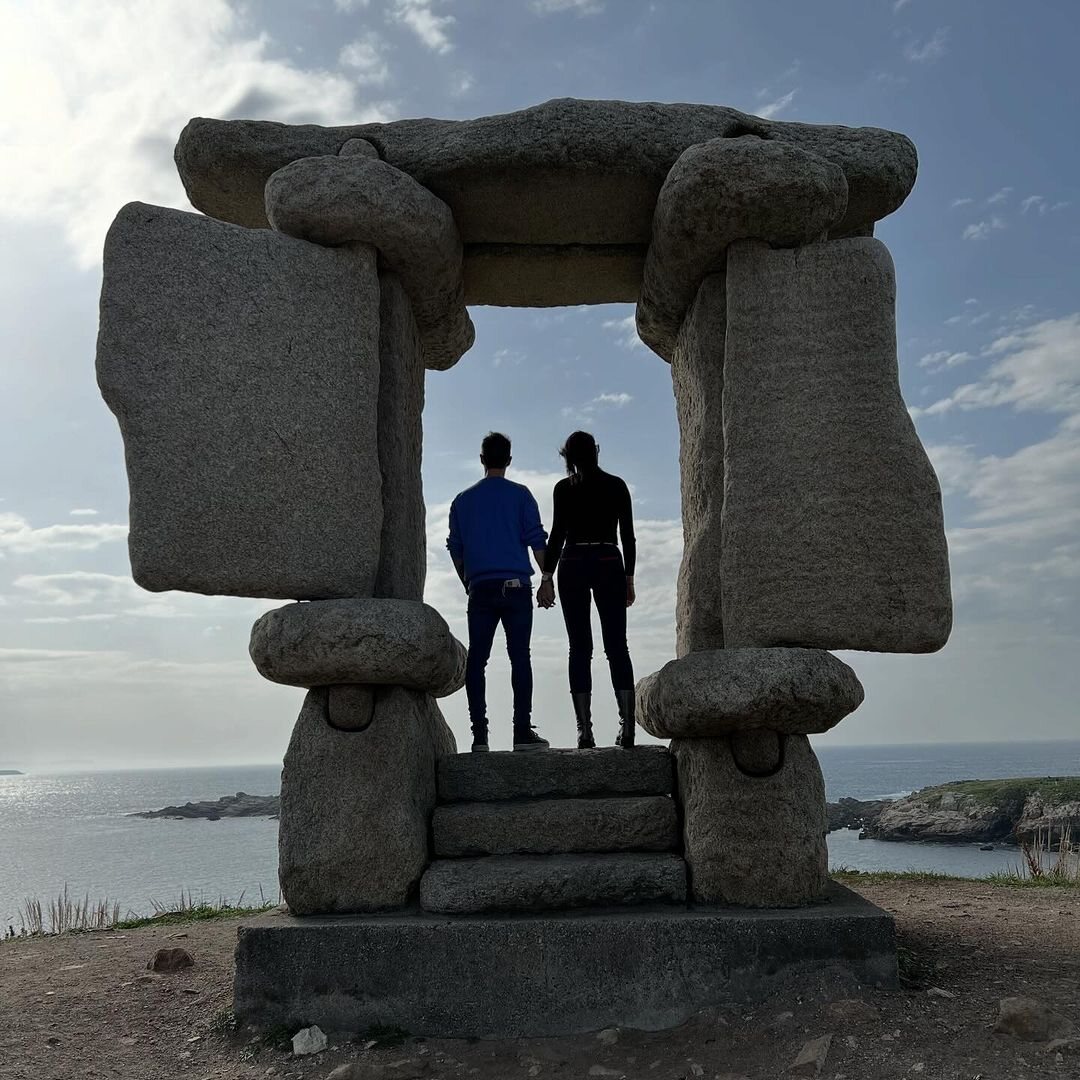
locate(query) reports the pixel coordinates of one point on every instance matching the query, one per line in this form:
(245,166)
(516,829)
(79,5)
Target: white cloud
(579,7)
(980,230)
(934,48)
(774,108)
(584,414)
(625,331)
(938,361)
(418,16)
(961,202)
(103,91)
(347,7)
(899,4)
(19,537)
(364,57)
(1000,196)
(1038,368)
(1039,204)
(83,513)
(79,588)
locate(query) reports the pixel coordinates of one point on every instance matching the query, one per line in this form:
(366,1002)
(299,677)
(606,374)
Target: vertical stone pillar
(403,552)
(697,373)
(754,813)
(356,805)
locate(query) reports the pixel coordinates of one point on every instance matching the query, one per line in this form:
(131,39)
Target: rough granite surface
(697,375)
(551,882)
(721,191)
(355,805)
(553,275)
(355,199)
(564,172)
(605,771)
(403,551)
(832,533)
(242,366)
(556,826)
(757,841)
(380,642)
(720,691)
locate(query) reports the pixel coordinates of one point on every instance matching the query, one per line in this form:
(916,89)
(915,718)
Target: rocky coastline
(228,806)
(968,812)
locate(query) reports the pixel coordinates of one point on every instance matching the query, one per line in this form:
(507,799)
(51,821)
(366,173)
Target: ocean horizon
(72,829)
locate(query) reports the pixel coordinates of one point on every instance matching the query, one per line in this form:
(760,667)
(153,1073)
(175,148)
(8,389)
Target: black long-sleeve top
(588,509)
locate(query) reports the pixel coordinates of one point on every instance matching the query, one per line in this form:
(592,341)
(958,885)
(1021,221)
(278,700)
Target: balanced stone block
(568,774)
(753,820)
(243,368)
(403,551)
(556,826)
(722,691)
(564,172)
(355,805)
(360,200)
(380,642)
(697,375)
(832,533)
(551,882)
(560,973)
(721,191)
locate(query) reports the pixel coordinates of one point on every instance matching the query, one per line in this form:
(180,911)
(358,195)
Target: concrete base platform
(537,975)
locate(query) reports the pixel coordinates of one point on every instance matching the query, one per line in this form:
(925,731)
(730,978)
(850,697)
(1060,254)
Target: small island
(228,806)
(11,772)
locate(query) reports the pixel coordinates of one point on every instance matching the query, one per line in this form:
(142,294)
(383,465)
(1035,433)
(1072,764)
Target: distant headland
(11,772)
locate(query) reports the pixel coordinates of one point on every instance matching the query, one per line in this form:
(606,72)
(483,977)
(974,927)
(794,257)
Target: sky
(95,673)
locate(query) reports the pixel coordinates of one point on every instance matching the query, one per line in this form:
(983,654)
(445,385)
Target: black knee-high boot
(625,699)
(583,712)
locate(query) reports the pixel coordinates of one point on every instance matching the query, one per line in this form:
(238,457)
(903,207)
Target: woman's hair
(580,453)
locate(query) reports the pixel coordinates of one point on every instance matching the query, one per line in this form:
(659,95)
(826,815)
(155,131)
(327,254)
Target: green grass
(1008,879)
(70,915)
(1015,790)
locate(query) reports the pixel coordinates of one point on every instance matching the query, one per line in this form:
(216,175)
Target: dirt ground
(86,1006)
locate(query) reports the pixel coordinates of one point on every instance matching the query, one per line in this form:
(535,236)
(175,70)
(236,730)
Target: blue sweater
(493,525)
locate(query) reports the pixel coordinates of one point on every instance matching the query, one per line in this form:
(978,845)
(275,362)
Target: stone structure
(266,364)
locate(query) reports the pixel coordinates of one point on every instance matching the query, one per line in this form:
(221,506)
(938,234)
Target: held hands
(545,594)
(631,595)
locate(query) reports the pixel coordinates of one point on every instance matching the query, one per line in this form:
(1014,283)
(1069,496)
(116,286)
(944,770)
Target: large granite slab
(832,532)
(564,172)
(556,826)
(558,973)
(645,770)
(243,367)
(551,882)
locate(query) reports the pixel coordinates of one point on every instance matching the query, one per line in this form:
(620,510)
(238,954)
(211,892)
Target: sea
(74,831)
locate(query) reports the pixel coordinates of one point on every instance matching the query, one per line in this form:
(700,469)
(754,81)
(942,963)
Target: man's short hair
(495,450)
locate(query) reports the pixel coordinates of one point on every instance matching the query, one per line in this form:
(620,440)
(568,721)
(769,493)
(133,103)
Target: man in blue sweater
(493,525)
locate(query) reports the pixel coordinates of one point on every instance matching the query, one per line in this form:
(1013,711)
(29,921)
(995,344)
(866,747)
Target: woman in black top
(590,505)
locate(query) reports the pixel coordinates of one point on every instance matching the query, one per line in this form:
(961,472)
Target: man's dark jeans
(491,603)
(594,574)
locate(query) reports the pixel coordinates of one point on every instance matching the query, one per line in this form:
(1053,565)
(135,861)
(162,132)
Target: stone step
(605,771)
(556,826)
(551,882)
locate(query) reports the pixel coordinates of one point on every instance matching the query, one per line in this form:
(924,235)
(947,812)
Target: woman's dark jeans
(595,572)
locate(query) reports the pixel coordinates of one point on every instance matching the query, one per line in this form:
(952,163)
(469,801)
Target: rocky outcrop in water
(982,811)
(853,813)
(228,806)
